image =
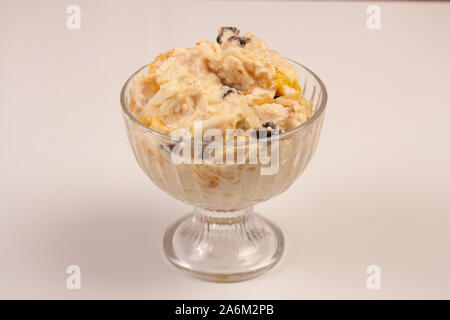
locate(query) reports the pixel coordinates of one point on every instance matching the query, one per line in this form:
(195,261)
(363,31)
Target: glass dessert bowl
(223,239)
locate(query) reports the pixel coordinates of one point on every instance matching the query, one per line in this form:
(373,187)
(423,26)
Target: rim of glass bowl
(316,115)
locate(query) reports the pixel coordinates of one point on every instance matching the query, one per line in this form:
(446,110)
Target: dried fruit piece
(242,40)
(269,124)
(150,81)
(226,90)
(232,29)
(282,80)
(222,30)
(269,128)
(145,120)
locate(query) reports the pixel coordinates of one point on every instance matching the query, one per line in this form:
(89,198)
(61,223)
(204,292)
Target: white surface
(376,192)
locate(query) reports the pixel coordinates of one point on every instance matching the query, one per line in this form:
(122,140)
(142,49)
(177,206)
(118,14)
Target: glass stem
(222,217)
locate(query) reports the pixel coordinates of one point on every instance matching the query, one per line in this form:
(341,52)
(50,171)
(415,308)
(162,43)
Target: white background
(376,192)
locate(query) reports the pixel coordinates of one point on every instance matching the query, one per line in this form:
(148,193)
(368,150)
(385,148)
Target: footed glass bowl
(223,239)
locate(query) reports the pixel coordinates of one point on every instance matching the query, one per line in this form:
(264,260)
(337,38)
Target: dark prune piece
(226,90)
(245,40)
(223,29)
(232,29)
(227,93)
(269,128)
(219,38)
(269,124)
(242,40)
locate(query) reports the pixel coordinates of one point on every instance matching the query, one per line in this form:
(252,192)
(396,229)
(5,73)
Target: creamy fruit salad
(235,82)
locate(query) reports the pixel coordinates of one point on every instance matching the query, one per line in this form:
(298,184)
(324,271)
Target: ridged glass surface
(223,240)
(226,186)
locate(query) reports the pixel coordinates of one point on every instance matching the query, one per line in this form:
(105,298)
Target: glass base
(223,246)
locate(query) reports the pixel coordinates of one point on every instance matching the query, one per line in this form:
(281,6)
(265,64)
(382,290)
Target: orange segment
(282,80)
(146,121)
